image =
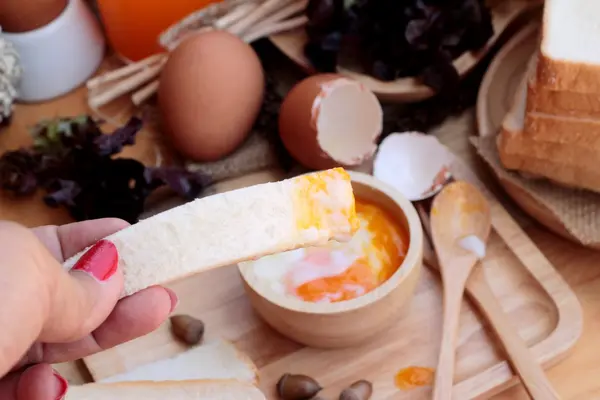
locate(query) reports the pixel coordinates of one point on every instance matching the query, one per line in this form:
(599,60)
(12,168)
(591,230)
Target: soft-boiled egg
(339,271)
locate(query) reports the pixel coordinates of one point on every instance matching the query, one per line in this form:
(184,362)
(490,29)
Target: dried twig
(249,20)
(119,73)
(261,12)
(145,93)
(126,85)
(276,28)
(235,15)
(282,14)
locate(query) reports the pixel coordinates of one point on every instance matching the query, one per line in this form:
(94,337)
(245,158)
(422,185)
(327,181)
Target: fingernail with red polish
(174,298)
(100,261)
(61,386)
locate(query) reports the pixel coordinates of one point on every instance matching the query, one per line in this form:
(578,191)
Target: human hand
(48,315)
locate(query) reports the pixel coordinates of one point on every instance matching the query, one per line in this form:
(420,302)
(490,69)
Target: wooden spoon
(531,373)
(458,213)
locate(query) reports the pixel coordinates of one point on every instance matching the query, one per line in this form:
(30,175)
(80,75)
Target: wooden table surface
(574,378)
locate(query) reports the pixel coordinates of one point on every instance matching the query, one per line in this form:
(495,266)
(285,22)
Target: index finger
(67,240)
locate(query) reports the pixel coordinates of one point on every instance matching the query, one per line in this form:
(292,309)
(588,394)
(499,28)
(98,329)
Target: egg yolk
(376,251)
(412,377)
(312,212)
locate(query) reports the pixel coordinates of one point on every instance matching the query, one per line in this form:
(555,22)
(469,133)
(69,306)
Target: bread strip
(169,390)
(235,226)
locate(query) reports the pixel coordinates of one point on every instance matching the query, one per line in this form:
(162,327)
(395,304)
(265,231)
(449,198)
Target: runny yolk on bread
(324,201)
(340,271)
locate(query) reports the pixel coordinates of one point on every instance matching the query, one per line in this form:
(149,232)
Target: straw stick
(259,13)
(276,28)
(124,71)
(235,15)
(126,85)
(145,93)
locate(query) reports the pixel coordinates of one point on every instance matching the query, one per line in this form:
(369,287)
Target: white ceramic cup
(60,56)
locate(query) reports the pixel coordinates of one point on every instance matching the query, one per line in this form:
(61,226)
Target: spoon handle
(444,374)
(532,375)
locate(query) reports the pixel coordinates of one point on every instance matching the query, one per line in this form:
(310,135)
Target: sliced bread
(569,51)
(235,226)
(560,103)
(581,132)
(551,129)
(170,390)
(524,148)
(218,359)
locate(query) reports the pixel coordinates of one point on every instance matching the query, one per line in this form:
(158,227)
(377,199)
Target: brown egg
(327,120)
(27,15)
(210,93)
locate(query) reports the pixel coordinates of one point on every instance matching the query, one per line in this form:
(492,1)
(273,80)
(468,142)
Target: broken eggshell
(415,164)
(327,120)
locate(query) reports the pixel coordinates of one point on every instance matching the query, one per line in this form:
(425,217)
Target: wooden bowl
(505,14)
(352,322)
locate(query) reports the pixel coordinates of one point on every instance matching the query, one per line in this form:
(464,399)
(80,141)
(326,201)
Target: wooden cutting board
(534,295)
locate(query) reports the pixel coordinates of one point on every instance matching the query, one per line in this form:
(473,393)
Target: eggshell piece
(327,120)
(415,164)
(210,93)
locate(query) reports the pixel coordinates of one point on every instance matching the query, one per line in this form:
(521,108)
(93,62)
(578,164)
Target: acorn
(188,329)
(297,387)
(359,390)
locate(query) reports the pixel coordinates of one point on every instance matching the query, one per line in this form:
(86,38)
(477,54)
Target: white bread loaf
(170,390)
(218,359)
(532,149)
(235,226)
(569,53)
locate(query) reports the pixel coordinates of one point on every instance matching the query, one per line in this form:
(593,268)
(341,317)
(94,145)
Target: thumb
(40,301)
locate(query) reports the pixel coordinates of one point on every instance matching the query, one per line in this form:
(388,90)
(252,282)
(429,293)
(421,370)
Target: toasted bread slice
(175,390)
(569,53)
(235,226)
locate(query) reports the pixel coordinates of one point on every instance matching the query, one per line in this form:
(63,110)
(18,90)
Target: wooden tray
(506,13)
(495,98)
(547,313)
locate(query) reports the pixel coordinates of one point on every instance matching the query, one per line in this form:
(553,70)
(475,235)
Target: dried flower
(393,39)
(73,161)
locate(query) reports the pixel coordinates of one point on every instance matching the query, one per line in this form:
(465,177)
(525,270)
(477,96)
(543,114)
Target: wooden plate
(506,13)
(493,102)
